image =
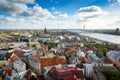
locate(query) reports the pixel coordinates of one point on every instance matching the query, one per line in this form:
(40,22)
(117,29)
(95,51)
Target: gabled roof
(52,61)
(65,74)
(69,52)
(8,71)
(2,42)
(35,57)
(14,57)
(108,61)
(44,48)
(18,52)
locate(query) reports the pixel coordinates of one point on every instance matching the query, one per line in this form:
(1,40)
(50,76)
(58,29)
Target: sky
(59,14)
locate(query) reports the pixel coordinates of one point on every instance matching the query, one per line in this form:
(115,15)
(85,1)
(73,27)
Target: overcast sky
(59,14)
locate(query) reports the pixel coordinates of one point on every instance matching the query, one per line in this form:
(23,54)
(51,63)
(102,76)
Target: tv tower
(84,27)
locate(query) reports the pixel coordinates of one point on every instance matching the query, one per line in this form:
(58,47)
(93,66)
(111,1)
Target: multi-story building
(19,66)
(107,62)
(37,63)
(67,73)
(34,63)
(80,53)
(88,71)
(94,59)
(114,56)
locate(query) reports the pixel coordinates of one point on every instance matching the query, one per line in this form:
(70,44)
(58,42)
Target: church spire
(45,30)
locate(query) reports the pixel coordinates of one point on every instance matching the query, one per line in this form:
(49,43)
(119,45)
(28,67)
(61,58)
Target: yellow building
(33,43)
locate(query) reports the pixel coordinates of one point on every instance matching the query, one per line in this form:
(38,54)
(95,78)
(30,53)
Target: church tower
(45,31)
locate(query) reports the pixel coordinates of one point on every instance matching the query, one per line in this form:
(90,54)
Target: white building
(61,45)
(114,56)
(17,44)
(46,69)
(94,59)
(80,53)
(34,63)
(88,70)
(19,66)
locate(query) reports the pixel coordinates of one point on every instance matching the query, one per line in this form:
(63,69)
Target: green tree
(112,75)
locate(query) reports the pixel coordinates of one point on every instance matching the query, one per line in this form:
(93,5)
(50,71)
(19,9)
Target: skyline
(59,14)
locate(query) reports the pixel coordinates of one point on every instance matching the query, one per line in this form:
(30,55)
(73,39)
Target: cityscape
(59,40)
(57,55)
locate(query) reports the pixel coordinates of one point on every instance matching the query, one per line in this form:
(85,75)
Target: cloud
(22,1)
(118,1)
(57,12)
(90,9)
(63,15)
(37,17)
(60,14)
(23,23)
(23,17)
(89,12)
(13,7)
(37,12)
(18,23)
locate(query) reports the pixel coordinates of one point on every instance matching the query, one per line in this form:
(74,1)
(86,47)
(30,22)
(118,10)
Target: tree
(112,75)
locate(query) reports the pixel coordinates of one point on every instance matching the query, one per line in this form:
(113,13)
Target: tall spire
(84,26)
(45,30)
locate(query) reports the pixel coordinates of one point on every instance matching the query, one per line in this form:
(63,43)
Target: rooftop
(35,57)
(105,68)
(69,52)
(106,60)
(18,51)
(14,57)
(61,74)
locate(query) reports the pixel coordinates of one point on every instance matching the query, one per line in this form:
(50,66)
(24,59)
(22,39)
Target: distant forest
(107,31)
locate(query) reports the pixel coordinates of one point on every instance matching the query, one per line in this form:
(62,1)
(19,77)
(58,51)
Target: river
(105,37)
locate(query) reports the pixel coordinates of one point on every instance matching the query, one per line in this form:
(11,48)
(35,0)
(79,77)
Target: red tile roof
(8,71)
(69,52)
(2,42)
(35,57)
(59,60)
(18,52)
(52,61)
(84,60)
(106,60)
(44,48)
(65,74)
(3,66)
(47,62)
(14,57)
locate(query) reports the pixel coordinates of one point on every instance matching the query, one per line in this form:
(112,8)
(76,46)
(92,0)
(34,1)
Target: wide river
(105,37)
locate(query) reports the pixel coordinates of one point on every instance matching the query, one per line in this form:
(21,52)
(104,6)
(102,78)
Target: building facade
(88,71)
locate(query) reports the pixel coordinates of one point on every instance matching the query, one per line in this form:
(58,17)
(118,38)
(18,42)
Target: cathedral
(45,36)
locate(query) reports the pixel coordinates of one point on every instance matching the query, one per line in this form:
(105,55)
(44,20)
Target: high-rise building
(84,27)
(88,71)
